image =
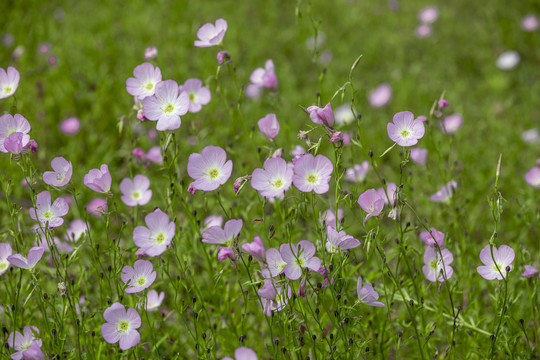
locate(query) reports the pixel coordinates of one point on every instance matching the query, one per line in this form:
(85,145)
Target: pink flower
(121,325)
(298,257)
(329,217)
(145,81)
(367,294)
(212,220)
(274,297)
(434,266)
(154,239)
(99,180)
(77,228)
(426,237)
(419,155)
(61,174)
(428,15)
(136,192)
(269,126)
(357,173)
(445,192)
(166,105)
(70,126)
(404,129)
(9,81)
(5,252)
(297,151)
(25,344)
(210,34)
(34,255)
(341,240)
(150,52)
(312,173)
(274,262)
(530,22)
(443,103)
(423,30)
(198,95)
(223,57)
(255,248)
(532,177)
(495,265)
(529,271)
(225,236)
(274,179)
(209,169)
(381,96)
(530,136)
(97,206)
(321,116)
(371,202)
(262,78)
(336,136)
(224,253)
(154,155)
(139,153)
(11,125)
(138,277)
(153,300)
(47,213)
(242,353)
(16,142)
(452,123)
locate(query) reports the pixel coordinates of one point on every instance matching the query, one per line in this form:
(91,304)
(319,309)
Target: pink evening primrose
(452,123)
(47,213)
(136,192)
(329,217)
(70,126)
(339,241)
(209,169)
(496,264)
(423,30)
(445,192)
(530,22)
(25,344)
(151,52)
(154,239)
(357,173)
(198,95)
(242,353)
(224,253)
(367,294)
(77,228)
(419,155)
(212,220)
(34,255)
(11,126)
(426,237)
(312,173)
(274,296)
(404,129)
(428,15)
(529,271)
(5,252)
(138,277)
(321,116)
(269,126)
(254,248)
(154,300)
(61,174)
(154,155)
(298,257)
(145,81)
(434,267)
(371,202)
(392,191)
(99,180)
(275,263)
(210,34)
(166,105)
(274,179)
(262,78)
(97,206)
(532,177)
(225,236)
(381,96)
(121,325)
(9,81)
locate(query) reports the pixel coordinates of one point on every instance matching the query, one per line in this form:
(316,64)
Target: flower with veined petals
(532,177)
(24,342)
(210,34)
(47,213)
(371,202)
(138,277)
(121,326)
(321,116)
(274,179)
(242,353)
(312,173)
(209,169)
(5,252)
(9,81)
(34,255)
(212,220)
(275,263)
(154,239)
(269,126)
(367,294)
(262,78)
(298,257)
(357,173)
(99,180)
(339,240)
(145,81)
(445,192)
(434,266)
(61,174)
(329,217)
(495,265)
(225,236)
(136,192)
(404,129)
(274,296)
(11,125)
(255,248)
(438,237)
(198,95)
(166,105)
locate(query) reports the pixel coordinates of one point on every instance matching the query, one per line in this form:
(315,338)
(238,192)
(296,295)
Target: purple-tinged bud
(223,57)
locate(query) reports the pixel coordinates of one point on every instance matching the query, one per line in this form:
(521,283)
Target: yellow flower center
(312,179)
(169,108)
(60,177)
(3,265)
(136,195)
(405,133)
(48,215)
(433,264)
(149,86)
(300,262)
(497,267)
(140,281)
(277,183)
(7,89)
(122,326)
(191,97)
(213,173)
(159,238)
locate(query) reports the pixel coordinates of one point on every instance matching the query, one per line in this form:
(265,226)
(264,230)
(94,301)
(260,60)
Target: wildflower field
(270,179)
